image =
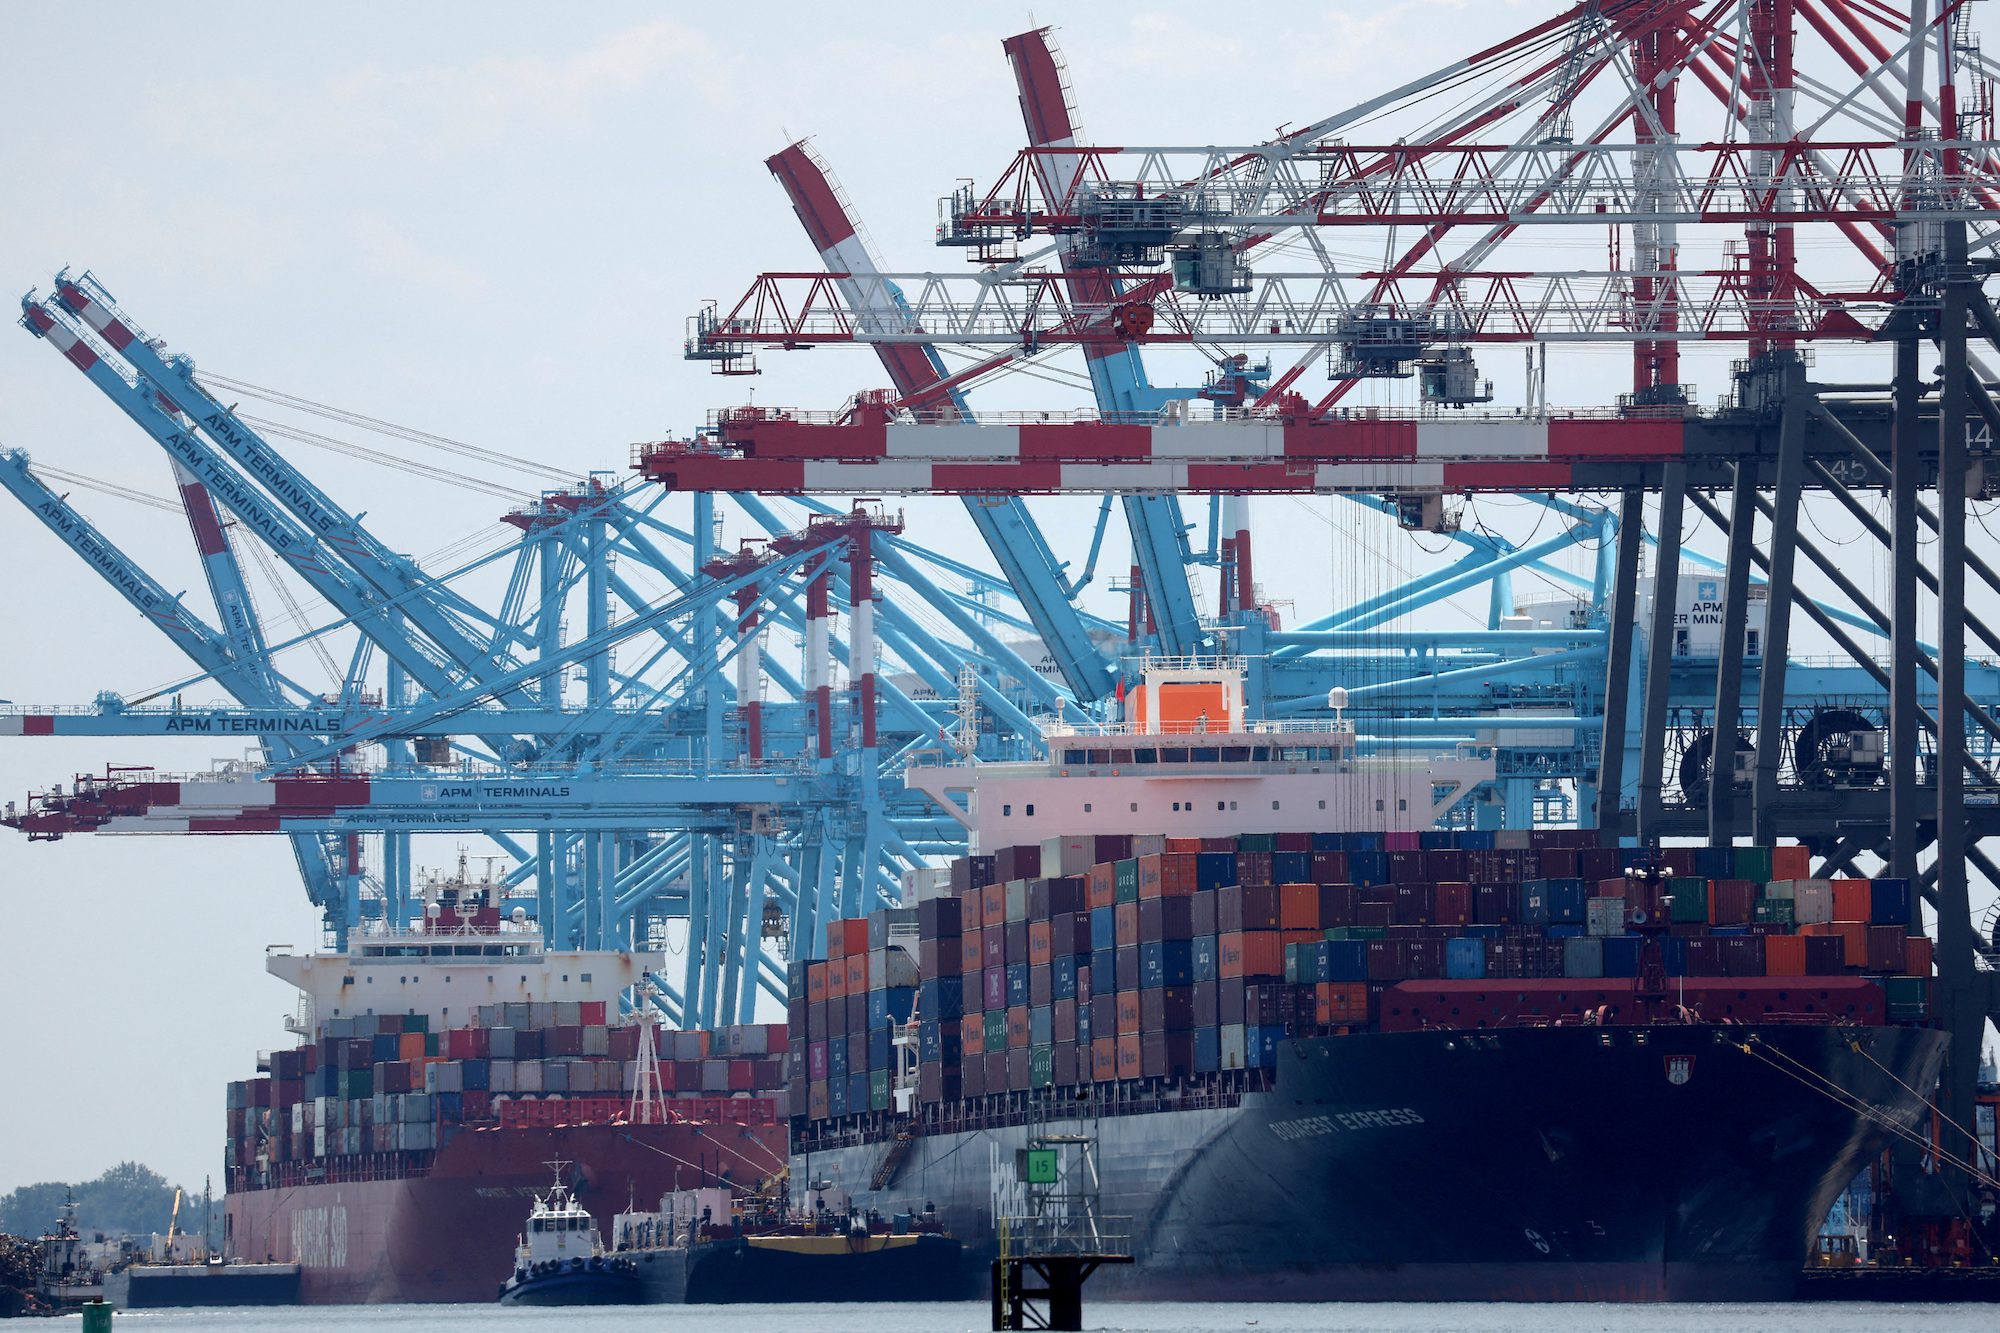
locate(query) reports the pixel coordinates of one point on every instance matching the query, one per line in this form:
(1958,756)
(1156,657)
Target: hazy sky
(489,221)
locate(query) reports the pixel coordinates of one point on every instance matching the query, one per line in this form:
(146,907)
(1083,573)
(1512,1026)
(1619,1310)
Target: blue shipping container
(1621,955)
(1166,963)
(1062,977)
(1291,868)
(1465,960)
(1207,1050)
(1103,928)
(1203,958)
(1214,870)
(1889,902)
(1347,960)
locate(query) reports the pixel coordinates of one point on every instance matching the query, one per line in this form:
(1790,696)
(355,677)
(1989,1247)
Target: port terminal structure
(622,725)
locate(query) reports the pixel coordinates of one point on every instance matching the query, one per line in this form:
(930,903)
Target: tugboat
(716,1247)
(562,1261)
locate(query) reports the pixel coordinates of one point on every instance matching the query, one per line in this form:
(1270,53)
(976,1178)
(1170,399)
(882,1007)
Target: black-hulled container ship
(393,1152)
(1373,1064)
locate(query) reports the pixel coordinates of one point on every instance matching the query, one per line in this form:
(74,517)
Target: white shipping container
(1812,900)
(1233,1045)
(500,1076)
(527,1075)
(1605,916)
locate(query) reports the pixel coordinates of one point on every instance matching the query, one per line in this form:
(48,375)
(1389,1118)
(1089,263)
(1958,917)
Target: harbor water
(1111,1316)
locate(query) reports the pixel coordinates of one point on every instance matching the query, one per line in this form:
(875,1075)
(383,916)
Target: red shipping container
(1253,869)
(1415,904)
(742,1075)
(1853,900)
(971,914)
(410,1046)
(1886,950)
(1917,955)
(1171,875)
(1128,1012)
(993,905)
(1611,888)
(1104,884)
(1189,846)
(971,952)
(1731,902)
(857,971)
(1293,842)
(1017,1028)
(816,983)
(1298,906)
(1041,941)
(836,978)
(836,941)
(1129,1057)
(1336,905)
(1451,905)
(1790,863)
(1785,955)
(1387,960)
(1492,904)
(857,936)
(1330,867)
(593,1013)
(1104,1059)
(1853,943)
(1126,916)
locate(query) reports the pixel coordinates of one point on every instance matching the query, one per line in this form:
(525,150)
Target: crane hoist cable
(380,426)
(106,487)
(297,616)
(366,454)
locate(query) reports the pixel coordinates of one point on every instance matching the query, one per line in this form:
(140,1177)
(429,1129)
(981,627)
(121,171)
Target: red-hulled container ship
(393,1153)
(1386,1061)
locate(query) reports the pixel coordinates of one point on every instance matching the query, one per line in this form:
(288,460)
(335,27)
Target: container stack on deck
(380,1092)
(1173,962)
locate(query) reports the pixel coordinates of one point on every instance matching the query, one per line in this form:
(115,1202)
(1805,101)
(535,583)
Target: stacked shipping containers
(1090,960)
(385,1084)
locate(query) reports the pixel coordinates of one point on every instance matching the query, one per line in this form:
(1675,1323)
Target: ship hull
(1533,1164)
(450,1234)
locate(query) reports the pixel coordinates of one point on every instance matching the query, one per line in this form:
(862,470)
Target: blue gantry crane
(653,725)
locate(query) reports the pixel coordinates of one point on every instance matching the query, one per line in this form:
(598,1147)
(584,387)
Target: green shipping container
(1041,1066)
(1292,964)
(1358,933)
(431,1044)
(1125,878)
(416,1022)
(1256,842)
(1909,998)
(1753,864)
(1690,899)
(878,1089)
(1775,909)
(357,1083)
(996,1030)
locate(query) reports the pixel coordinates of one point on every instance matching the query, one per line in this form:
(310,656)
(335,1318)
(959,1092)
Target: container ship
(1381,1063)
(393,1153)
